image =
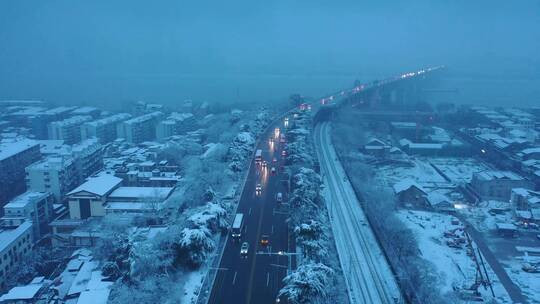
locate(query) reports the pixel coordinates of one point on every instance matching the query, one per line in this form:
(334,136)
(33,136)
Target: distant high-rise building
(105,129)
(141,128)
(67,129)
(14,158)
(39,122)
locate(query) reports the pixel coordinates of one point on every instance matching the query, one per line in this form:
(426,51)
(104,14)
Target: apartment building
(33,206)
(175,124)
(104,129)
(15,156)
(141,128)
(15,243)
(68,130)
(88,156)
(57,175)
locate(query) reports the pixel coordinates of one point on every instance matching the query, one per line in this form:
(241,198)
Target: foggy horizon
(101,53)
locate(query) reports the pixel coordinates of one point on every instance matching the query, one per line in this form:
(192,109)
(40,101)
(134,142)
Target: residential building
(175,124)
(15,156)
(141,128)
(39,122)
(88,199)
(408,192)
(68,129)
(88,156)
(33,206)
(497,185)
(105,129)
(87,111)
(15,242)
(57,175)
(526,204)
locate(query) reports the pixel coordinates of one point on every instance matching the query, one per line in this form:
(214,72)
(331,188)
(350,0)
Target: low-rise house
(376,147)
(35,292)
(497,185)
(526,204)
(88,199)
(408,192)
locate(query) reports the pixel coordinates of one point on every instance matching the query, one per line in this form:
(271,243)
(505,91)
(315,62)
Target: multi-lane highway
(257,278)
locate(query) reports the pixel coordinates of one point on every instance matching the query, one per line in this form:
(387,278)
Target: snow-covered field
(458,170)
(454,266)
(420,171)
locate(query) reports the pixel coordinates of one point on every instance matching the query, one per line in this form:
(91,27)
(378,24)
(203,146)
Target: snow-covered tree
(307,284)
(193,246)
(311,239)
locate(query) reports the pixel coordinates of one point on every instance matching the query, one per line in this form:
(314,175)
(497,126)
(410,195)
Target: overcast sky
(106,51)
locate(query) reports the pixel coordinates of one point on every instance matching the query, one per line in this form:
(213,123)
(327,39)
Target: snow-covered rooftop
(141,192)
(21,293)
(79,119)
(111,119)
(85,110)
(99,185)
(143,118)
(494,174)
(406,184)
(24,199)
(8,236)
(8,149)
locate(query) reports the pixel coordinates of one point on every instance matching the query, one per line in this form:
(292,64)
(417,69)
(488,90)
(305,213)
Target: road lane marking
(234,278)
(249,211)
(272,229)
(267,278)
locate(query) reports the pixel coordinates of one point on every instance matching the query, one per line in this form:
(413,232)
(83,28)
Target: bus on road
(258,156)
(237,226)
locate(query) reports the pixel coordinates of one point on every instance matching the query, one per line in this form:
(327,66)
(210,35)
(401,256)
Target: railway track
(364,278)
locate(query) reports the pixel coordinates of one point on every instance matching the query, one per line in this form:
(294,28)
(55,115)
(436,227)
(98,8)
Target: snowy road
(366,270)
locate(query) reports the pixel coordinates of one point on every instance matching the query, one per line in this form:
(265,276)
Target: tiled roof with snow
(406,184)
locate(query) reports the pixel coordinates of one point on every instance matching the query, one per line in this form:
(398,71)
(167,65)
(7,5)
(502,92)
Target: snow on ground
(420,171)
(454,266)
(458,170)
(528,282)
(192,285)
(481,218)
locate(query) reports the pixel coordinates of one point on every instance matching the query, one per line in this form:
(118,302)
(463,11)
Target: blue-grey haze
(108,52)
